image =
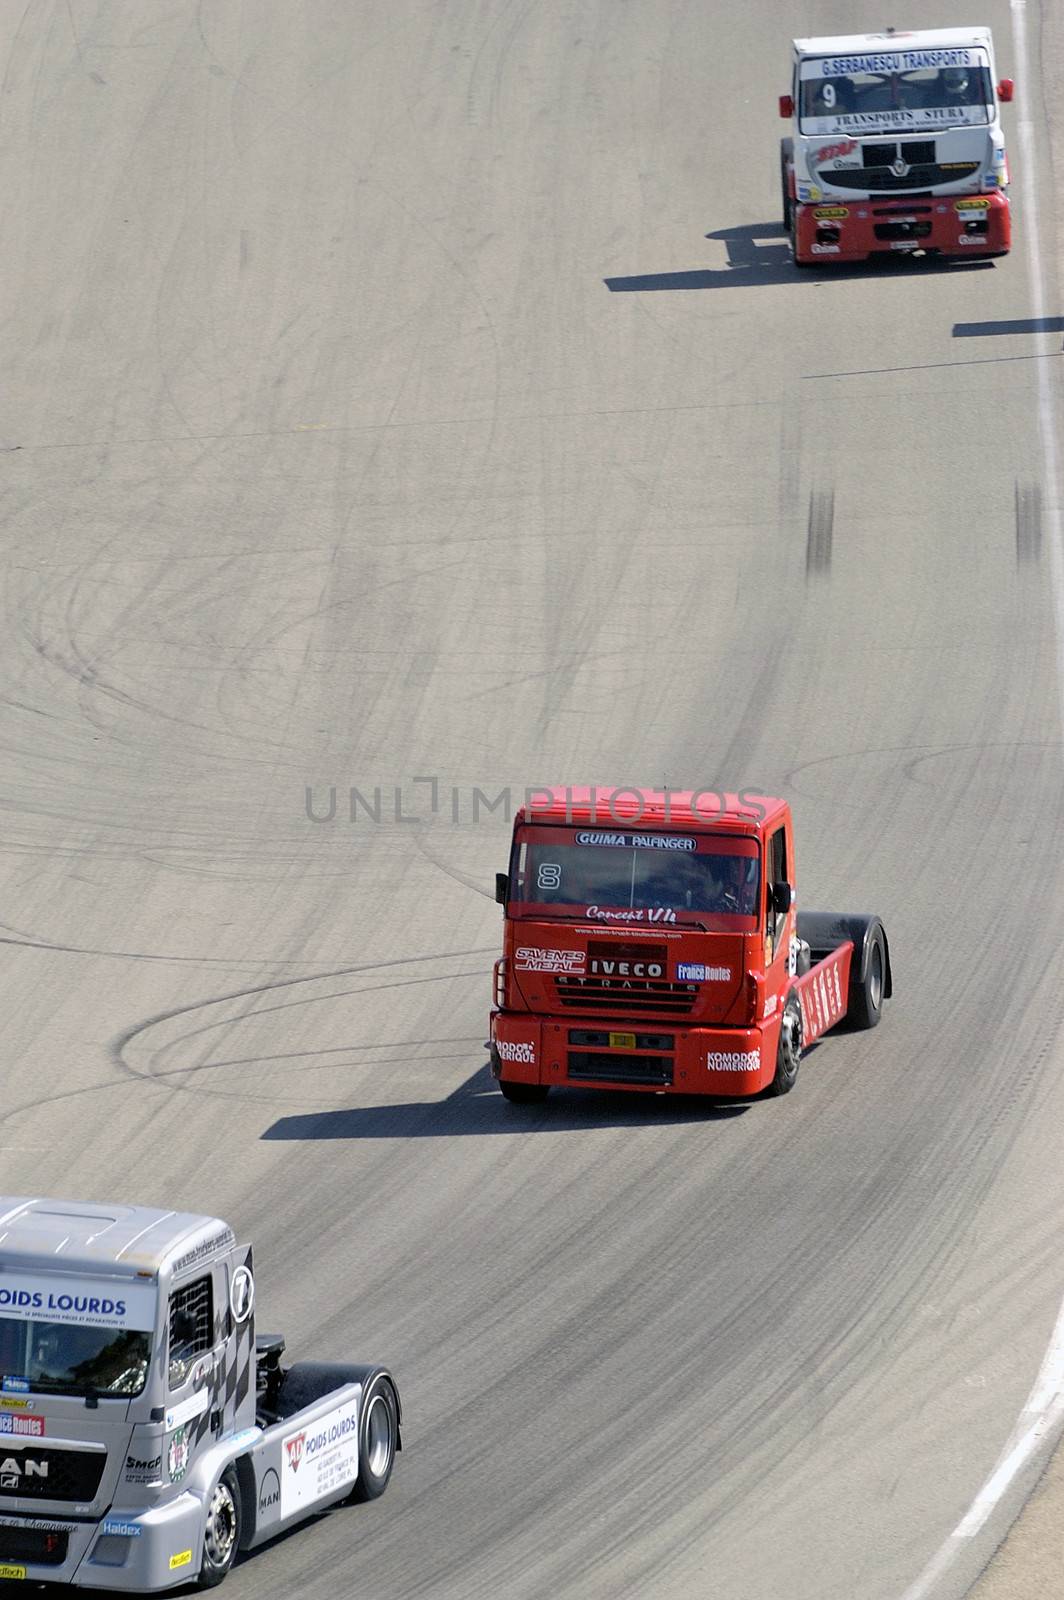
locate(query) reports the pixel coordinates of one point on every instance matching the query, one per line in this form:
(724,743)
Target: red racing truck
(652,941)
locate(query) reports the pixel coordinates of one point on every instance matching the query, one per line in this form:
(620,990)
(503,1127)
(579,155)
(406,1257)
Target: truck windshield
(58,1358)
(622,876)
(898,90)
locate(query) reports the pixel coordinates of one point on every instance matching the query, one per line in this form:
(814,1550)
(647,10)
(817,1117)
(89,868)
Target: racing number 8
(549,875)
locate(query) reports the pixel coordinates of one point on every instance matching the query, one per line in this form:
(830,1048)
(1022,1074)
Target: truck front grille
(38,1547)
(916,152)
(881,180)
(604,1067)
(66,1474)
(627,995)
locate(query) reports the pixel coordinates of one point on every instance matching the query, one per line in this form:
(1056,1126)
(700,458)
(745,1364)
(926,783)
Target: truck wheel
(866,996)
(378,1432)
(789,1049)
(523,1094)
(221,1531)
(786,204)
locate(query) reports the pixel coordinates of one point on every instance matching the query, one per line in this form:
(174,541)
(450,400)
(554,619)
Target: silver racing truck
(147,1434)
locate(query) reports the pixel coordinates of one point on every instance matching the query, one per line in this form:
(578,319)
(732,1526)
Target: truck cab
(896,147)
(652,942)
(146,1433)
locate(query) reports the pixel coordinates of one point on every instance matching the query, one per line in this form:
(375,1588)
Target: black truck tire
(789,1049)
(786,203)
(378,1438)
(523,1094)
(867,992)
(221,1530)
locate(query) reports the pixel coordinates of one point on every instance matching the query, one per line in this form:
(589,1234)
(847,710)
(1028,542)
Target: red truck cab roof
(702,809)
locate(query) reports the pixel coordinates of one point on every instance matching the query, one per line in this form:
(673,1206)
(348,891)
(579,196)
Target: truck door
(195,1329)
(777,923)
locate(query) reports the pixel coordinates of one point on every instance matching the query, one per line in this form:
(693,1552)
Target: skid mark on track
(194,1022)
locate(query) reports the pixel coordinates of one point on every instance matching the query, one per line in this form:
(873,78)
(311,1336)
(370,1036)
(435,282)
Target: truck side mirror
(781,897)
(1004,89)
(787,103)
(502,887)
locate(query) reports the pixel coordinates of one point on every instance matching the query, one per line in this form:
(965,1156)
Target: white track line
(1044,1408)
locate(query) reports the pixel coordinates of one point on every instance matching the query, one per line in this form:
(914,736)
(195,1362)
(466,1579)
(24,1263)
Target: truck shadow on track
(751,262)
(477,1107)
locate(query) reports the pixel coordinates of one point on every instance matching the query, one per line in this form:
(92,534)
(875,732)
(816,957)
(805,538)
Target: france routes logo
(295,1450)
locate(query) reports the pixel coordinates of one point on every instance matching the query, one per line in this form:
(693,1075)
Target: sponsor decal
(825,249)
(905,244)
(39,1524)
(270,1492)
(92,1304)
(510,1050)
(636,914)
(822,1001)
(904,121)
(182,1559)
(533,958)
(7,1404)
(771,1002)
(241,1295)
(206,1247)
(639,841)
(321,1458)
(973,205)
(17,1468)
(733,1060)
(121,1530)
(971,238)
(16,1386)
(627,969)
(836,152)
(185,1410)
(828,212)
(690,971)
(177,1454)
(143,1469)
(7,1571)
(894,61)
(25,1426)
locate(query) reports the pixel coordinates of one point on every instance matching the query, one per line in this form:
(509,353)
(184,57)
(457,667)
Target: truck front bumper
(641,1054)
(141,1552)
(948,225)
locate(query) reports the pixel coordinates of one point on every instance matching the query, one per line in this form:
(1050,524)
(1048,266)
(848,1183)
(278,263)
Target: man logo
(12,1469)
(270,1493)
(295,1450)
(241,1295)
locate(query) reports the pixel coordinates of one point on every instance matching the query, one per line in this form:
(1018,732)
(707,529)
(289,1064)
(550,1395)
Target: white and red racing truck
(896,146)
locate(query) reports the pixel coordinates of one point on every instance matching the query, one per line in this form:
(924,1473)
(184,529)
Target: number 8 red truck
(652,941)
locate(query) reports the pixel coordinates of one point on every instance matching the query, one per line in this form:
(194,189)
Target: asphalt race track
(420,389)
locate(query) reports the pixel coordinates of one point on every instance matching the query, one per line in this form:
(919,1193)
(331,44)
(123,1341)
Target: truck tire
(786,203)
(789,1049)
(523,1094)
(866,994)
(221,1530)
(378,1434)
